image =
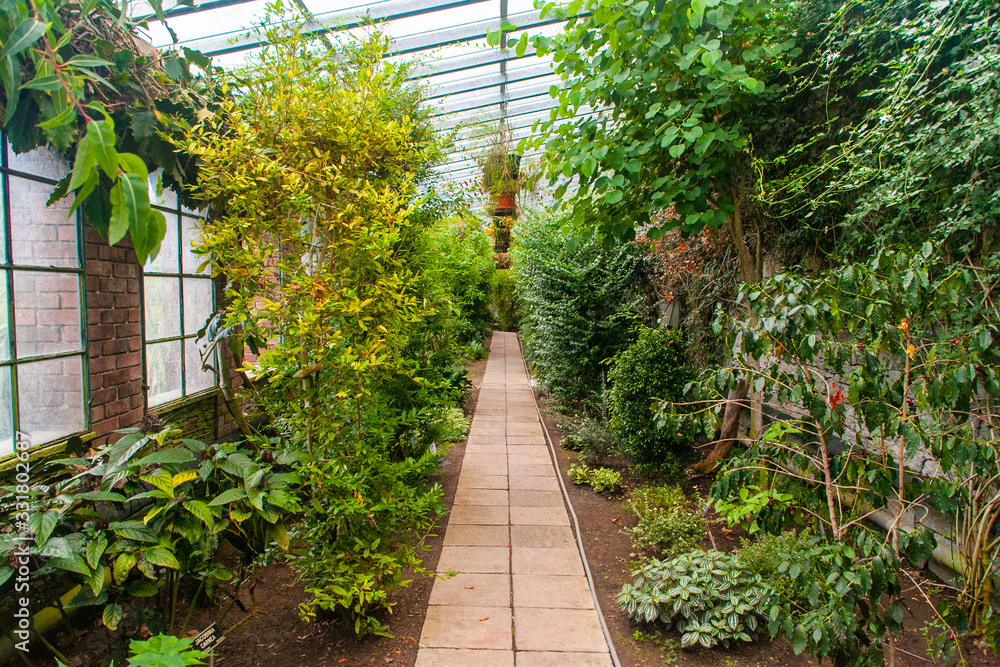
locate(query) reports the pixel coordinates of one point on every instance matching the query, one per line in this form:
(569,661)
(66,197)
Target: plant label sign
(208,639)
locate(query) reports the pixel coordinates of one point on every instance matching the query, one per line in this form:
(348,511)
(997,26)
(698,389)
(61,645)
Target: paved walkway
(520,595)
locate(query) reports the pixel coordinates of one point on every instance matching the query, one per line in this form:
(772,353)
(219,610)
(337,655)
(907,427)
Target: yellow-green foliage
(669,521)
(313,165)
(312,168)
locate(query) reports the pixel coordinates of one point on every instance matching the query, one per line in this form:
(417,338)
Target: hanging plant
(77,77)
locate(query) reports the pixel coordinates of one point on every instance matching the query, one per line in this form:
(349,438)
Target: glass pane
(196,379)
(45,162)
(167,198)
(50,398)
(162,307)
(4,320)
(163,372)
(197,304)
(166,261)
(190,238)
(41,235)
(46,313)
(6,414)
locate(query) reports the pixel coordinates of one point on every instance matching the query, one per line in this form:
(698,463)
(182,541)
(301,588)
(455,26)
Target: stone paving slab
(474,590)
(542,537)
(477,536)
(475,481)
(538,516)
(484,560)
(467,627)
(520,598)
(539,560)
(553,659)
(549,590)
(532,498)
(449,657)
(575,630)
(470,496)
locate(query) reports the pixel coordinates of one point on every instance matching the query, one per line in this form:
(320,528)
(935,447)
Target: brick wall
(114,332)
(114,329)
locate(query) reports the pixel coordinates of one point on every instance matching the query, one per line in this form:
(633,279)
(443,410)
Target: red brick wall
(114,330)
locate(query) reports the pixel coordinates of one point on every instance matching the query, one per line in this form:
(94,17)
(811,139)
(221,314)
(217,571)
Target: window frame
(8,267)
(177,212)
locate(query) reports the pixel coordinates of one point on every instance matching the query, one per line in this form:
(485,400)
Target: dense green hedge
(655,368)
(580,304)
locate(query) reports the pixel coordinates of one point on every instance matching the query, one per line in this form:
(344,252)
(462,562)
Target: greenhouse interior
(500,333)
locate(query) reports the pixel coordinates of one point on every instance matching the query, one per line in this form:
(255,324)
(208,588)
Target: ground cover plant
(668,521)
(705,594)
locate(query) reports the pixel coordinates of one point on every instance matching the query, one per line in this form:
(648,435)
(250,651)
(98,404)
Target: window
(178,299)
(42,346)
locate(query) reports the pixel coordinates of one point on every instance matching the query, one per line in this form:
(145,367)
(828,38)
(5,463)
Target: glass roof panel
(469,82)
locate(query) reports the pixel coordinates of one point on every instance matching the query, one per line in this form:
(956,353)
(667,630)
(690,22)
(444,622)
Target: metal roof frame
(516,94)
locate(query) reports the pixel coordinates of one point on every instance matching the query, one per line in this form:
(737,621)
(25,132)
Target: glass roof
(470,85)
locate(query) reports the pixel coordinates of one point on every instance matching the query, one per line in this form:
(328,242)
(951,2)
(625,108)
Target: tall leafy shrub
(456,261)
(313,170)
(653,368)
(580,304)
(507,302)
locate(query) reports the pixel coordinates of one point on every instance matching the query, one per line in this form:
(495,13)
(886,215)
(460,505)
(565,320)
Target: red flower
(837,398)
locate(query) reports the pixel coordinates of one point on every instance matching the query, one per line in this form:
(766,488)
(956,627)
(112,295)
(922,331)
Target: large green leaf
(26,34)
(11,73)
(101,135)
(112,616)
(42,525)
(161,556)
(123,566)
(228,496)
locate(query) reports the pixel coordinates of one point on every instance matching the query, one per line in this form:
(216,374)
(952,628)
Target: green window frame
(178,300)
(44,390)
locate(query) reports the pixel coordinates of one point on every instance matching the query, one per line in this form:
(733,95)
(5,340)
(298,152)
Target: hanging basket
(503,203)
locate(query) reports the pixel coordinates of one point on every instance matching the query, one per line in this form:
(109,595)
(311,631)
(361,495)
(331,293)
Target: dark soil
(602,525)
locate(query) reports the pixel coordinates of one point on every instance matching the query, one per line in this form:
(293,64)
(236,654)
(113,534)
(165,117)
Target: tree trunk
(730,426)
(751,273)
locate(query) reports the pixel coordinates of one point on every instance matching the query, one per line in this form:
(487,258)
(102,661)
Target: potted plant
(501,170)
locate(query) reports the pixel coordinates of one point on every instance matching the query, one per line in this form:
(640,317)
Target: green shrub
(669,521)
(706,594)
(654,368)
(580,305)
(605,480)
(366,523)
(579,473)
(765,555)
(507,302)
(592,438)
(449,424)
(458,279)
(475,351)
